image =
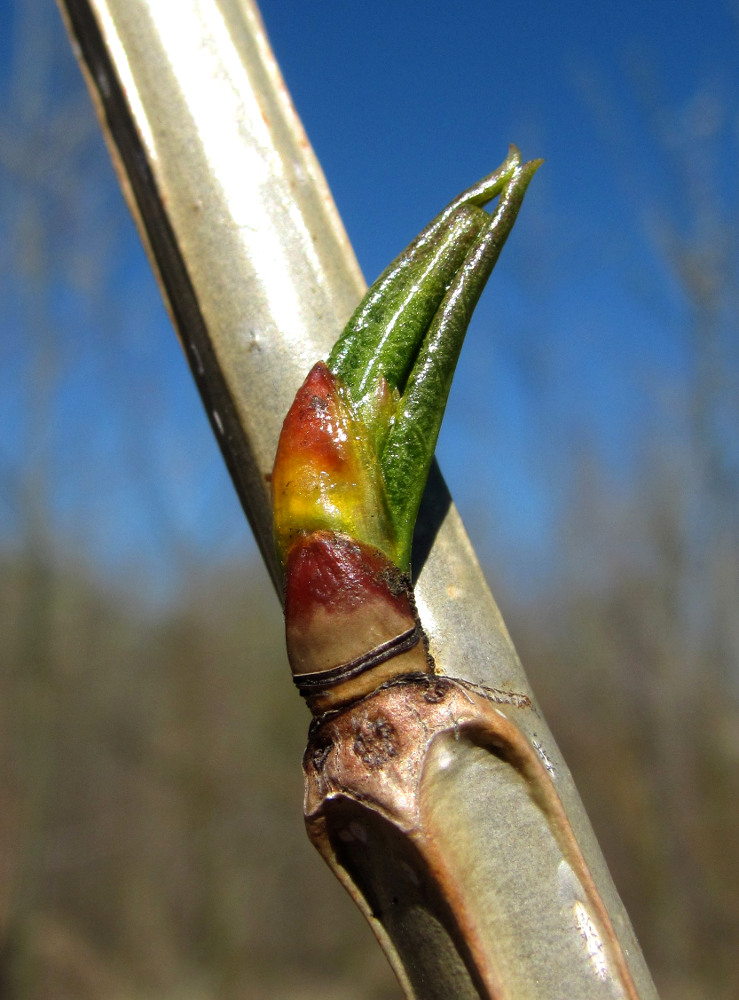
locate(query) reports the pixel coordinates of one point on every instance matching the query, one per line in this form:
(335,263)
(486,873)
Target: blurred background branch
(150,832)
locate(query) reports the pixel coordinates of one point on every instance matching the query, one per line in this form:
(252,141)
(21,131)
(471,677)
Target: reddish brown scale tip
(326,474)
(310,423)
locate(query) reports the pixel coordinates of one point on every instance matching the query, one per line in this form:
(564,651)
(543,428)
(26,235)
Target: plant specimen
(399,754)
(440,801)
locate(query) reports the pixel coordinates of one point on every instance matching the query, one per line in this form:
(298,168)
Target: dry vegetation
(152,840)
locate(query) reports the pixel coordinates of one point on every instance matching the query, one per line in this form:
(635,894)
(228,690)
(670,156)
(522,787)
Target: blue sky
(399,100)
(581,345)
(583,333)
